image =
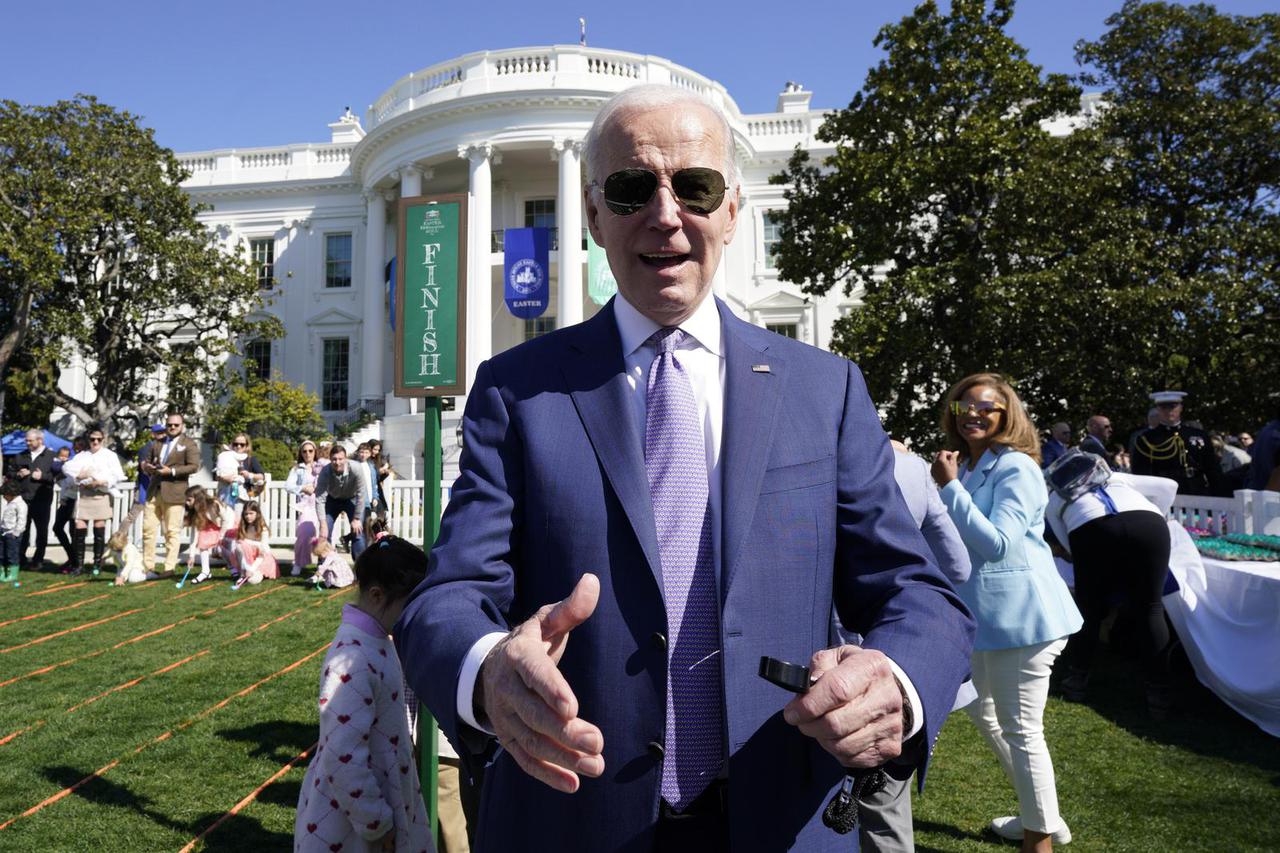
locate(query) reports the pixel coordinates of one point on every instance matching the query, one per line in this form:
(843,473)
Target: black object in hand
(841,814)
(788,676)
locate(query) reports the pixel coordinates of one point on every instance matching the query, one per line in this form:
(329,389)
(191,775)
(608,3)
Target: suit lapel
(597,382)
(753,378)
(985,464)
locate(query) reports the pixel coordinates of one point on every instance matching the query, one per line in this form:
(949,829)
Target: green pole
(432,471)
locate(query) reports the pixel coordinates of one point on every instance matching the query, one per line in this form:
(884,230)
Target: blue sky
(245,74)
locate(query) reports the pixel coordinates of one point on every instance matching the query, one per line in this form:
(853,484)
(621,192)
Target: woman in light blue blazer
(993,488)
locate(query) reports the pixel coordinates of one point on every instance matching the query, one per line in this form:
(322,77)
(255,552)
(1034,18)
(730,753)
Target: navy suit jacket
(553,485)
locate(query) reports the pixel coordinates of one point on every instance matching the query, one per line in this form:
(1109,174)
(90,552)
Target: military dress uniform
(1181,453)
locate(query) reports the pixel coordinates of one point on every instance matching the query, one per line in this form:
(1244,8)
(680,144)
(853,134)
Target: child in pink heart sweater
(361,790)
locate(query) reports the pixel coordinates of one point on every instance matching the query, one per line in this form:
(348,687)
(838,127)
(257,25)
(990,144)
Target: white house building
(506,127)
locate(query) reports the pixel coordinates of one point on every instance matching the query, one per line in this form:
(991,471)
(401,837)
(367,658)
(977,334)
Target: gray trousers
(884,819)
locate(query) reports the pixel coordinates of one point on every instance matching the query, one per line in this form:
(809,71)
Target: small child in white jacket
(361,789)
(13,521)
(129,568)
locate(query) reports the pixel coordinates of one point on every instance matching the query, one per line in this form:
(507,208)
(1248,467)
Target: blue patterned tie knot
(676,465)
(668,339)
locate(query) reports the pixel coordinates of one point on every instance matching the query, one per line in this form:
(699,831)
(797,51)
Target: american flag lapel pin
(759,368)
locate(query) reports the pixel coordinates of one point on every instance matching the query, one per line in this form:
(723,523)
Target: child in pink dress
(204,517)
(334,571)
(252,556)
(361,790)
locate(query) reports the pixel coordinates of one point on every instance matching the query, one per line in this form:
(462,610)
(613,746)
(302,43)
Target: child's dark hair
(254,529)
(395,564)
(11,488)
(205,511)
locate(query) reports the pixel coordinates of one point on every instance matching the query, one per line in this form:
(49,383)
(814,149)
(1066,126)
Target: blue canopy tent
(16,442)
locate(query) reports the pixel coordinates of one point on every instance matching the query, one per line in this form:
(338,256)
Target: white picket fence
(404,511)
(1248,511)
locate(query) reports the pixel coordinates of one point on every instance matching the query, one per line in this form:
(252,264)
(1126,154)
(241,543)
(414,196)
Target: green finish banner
(431,297)
(601,285)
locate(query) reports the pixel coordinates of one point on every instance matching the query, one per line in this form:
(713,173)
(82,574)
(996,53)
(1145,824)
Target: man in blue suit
(569,581)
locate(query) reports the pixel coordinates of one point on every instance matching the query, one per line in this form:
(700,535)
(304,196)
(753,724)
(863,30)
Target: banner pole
(432,472)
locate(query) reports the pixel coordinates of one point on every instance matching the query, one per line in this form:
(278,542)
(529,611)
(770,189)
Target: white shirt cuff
(912,699)
(467,679)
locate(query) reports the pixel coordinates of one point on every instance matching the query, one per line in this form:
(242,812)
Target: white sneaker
(1011,828)
(203,576)
(297,571)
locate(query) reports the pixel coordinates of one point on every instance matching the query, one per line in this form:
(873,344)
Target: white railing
(285,162)
(1247,511)
(571,67)
(404,512)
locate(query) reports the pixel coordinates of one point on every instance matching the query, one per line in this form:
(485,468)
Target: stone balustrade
(286,162)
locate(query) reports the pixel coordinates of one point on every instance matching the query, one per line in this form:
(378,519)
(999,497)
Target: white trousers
(1013,686)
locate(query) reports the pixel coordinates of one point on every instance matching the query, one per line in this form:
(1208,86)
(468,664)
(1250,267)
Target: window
(263,253)
(257,360)
(787,330)
(538,326)
(772,236)
(337,260)
(333,380)
(540,213)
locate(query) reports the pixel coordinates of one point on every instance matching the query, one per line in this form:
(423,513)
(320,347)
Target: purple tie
(676,462)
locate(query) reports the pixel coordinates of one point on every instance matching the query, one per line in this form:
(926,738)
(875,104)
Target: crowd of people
(226,523)
(690,496)
(1201,462)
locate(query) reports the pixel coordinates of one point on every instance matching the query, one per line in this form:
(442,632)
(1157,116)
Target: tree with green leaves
(975,239)
(103,259)
(931,210)
(266,408)
(1193,111)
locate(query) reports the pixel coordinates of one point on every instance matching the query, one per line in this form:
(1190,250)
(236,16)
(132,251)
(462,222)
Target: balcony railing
(496,239)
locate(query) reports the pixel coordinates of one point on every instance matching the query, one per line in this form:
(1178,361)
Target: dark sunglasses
(237,444)
(982,407)
(698,188)
(95,439)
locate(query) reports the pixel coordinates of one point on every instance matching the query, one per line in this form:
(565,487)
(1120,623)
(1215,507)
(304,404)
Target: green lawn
(164,719)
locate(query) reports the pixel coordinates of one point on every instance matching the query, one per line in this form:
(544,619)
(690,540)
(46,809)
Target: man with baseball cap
(1179,452)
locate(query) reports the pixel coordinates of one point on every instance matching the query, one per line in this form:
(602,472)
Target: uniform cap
(157,428)
(1168,396)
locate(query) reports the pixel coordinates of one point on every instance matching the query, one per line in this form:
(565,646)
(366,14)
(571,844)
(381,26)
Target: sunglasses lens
(699,188)
(627,191)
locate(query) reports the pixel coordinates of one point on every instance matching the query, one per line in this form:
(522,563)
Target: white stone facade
(506,127)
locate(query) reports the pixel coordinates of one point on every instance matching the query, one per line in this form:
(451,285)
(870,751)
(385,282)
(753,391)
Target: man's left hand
(357,528)
(853,709)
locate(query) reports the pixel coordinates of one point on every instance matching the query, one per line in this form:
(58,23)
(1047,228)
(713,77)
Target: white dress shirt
(702,357)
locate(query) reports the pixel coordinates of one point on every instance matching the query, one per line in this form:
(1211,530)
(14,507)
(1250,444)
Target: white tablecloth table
(1227,615)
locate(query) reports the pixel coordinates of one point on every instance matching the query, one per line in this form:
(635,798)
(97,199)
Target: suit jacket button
(659,640)
(655,749)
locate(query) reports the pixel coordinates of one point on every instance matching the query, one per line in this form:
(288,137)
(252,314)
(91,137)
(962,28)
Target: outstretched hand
(529,703)
(853,709)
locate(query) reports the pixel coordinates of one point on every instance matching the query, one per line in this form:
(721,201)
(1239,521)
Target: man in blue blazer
(541,632)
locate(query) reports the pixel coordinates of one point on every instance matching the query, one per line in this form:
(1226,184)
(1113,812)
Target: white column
(480,158)
(569,214)
(373,335)
(410,181)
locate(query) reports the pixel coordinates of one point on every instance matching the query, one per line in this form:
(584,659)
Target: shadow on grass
(278,740)
(1201,723)
(236,833)
(102,792)
(239,833)
(944,829)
